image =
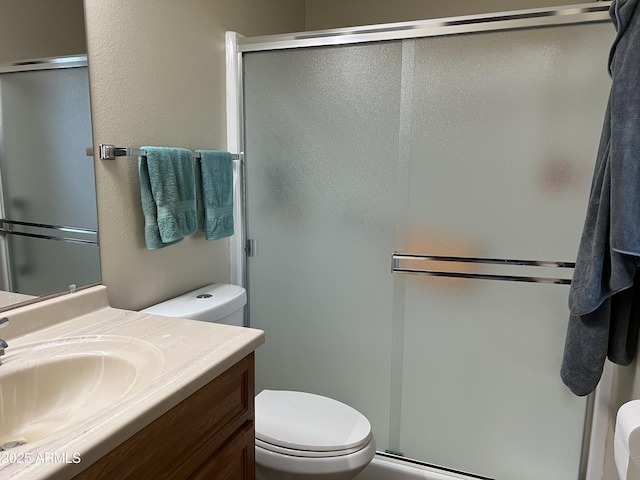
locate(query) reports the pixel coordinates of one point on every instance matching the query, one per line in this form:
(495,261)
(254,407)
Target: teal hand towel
(168,194)
(216,192)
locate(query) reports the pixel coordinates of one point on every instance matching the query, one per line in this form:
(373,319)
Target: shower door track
(597,416)
(429,466)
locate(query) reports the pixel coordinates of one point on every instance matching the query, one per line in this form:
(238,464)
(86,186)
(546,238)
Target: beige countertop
(184,356)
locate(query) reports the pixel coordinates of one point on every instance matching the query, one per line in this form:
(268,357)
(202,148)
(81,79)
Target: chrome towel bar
(110,152)
(397,257)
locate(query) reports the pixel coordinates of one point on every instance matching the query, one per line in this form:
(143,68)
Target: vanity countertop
(187,354)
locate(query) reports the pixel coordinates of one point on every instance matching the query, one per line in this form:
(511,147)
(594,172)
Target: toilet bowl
(299,436)
(303,436)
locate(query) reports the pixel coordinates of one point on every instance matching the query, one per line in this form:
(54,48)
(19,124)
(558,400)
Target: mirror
(48,219)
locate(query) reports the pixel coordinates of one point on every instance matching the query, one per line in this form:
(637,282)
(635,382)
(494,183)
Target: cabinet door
(234,461)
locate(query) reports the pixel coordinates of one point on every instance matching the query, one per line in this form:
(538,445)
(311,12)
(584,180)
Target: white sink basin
(48,386)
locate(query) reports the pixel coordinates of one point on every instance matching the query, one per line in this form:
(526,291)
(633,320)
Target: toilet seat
(306,453)
(307,425)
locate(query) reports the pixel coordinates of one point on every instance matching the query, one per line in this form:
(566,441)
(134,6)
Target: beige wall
(324,14)
(157,75)
(40,28)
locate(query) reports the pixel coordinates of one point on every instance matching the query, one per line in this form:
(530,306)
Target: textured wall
(157,75)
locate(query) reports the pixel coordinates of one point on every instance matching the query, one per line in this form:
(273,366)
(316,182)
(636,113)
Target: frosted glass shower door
(45,128)
(504,133)
(321,155)
(468,145)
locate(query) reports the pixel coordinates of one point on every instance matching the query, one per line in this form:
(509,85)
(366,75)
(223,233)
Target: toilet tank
(218,302)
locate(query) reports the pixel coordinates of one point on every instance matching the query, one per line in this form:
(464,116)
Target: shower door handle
(397,258)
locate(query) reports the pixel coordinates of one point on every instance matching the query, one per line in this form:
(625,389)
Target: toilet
(215,303)
(299,436)
(303,436)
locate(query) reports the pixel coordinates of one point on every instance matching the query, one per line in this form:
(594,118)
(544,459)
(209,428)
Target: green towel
(216,193)
(168,193)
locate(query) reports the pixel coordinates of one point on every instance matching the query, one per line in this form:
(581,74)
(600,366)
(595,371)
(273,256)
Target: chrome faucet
(4,321)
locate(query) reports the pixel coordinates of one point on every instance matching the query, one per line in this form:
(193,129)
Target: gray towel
(604,300)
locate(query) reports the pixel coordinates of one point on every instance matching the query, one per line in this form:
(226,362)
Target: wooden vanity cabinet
(210,435)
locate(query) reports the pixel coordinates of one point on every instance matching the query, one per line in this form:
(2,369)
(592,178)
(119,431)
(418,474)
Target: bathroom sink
(46,387)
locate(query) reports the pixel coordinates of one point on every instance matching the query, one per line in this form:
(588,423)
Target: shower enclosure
(48,218)
(414,197)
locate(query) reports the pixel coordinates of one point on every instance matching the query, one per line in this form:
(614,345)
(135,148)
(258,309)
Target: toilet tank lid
(305,421)
(211,302)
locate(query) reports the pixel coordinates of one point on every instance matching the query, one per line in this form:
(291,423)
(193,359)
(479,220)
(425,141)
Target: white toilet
(215,303)
(302,436)
(299,436)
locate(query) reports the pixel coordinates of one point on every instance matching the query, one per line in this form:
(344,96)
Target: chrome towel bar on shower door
(397,257)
